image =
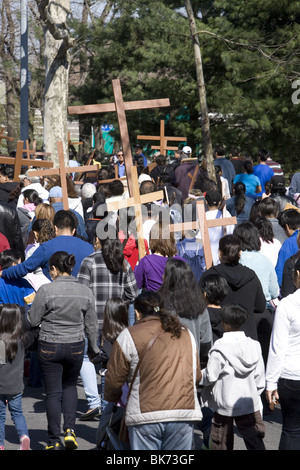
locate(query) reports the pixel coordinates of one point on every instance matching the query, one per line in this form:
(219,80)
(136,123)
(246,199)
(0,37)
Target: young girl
(17,291)
(13,342)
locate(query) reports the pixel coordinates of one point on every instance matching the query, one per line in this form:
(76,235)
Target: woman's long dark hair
(115,318)
(249,236)
(112,252)
(180,291)
(240,197)
(149,303)
(10,328)
(62,261)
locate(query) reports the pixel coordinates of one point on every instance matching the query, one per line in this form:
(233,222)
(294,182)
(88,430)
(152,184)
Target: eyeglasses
(120,155)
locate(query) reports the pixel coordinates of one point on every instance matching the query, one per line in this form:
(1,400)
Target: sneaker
(24,443)
(56,446)
(70,439)
(91,414)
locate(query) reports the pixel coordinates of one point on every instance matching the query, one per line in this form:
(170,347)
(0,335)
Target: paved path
(34,411)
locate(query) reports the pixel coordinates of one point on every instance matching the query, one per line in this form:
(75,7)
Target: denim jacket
(65,312)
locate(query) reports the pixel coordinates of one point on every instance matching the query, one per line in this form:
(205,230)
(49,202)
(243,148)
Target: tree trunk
(57,63)
(205,124)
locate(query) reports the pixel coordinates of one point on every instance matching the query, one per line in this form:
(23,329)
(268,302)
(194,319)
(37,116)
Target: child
(13,342)
(215,288)
(236,376)
(17,291)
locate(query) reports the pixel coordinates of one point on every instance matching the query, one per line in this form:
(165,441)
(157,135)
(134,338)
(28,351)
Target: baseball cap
(186,149)
(213,197)
(278,181)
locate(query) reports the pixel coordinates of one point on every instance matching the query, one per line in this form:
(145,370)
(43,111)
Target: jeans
(289,397)
(60,365)
(161,436)
(16,411)
(89,378)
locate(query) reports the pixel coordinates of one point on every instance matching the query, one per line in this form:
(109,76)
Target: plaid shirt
(105,285)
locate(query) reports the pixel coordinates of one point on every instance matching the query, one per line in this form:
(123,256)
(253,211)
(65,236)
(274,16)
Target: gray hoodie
(235,375)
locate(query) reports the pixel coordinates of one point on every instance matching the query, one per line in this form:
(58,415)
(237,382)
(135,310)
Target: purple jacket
(149,272)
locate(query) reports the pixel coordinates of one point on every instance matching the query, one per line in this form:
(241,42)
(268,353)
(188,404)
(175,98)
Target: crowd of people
(163,344)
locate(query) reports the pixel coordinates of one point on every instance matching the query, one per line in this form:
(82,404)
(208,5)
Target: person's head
(147,187)
(239,191)
(43,230)
(160,159)
(148,303)
(262,155)
(179,284)
(10,257)
(219,151)
(269,208)
(115,318)
(289,220)
(112,252)
(215,288)
(138,149)
(213,198)
(230,250)
(235,152)
(61,263)
(31,196)
(10,329)
(278,184)
(120,156)
(264,227)
(64,222)
(45,211)
(248,167)
(88,190)
(6,173)
(233,317)
(249,236)
(161,240)
(116,188)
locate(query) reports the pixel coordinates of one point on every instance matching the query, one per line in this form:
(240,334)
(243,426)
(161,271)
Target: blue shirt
(121,170)
(250,181)
(264,173)
(289,248)
(72,245)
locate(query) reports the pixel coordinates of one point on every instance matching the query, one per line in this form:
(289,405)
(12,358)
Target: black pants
(250,426)
(60,365)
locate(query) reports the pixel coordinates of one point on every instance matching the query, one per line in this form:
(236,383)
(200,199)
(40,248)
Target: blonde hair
(45,211)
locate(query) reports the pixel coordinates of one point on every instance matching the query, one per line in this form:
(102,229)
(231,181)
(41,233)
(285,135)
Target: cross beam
(62,171)
(163,146)
(120,107)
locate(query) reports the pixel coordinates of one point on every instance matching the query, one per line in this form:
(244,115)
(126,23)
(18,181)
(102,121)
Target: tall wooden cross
(5,137)
(163,140)
(62,171)
(121,107)
(136,201)
(19,161)
(203,225)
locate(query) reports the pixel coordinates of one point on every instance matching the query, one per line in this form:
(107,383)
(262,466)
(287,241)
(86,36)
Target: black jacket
(10,227)
(245,290)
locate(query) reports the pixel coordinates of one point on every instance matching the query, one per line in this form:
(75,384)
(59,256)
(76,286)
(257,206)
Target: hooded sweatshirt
(235,375)
(245,290)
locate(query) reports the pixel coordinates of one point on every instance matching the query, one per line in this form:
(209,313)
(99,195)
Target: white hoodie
(235,375)
(42,192)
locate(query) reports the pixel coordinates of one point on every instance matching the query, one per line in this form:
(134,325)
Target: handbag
(123,433)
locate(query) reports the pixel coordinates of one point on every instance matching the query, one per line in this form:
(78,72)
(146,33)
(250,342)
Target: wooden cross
(136,201)
(19,161)
(34,152)
(72,143)
(62,171)
(2,136)
(203,225)
(121,107)
(163,146)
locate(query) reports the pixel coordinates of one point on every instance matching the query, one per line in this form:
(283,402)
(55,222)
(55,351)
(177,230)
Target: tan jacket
(165,386)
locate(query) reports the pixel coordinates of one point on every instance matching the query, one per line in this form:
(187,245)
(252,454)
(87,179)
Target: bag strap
(146,348)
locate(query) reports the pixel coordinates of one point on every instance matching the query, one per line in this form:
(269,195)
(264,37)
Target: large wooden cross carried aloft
(18,161)
(121,107)
(62,171)
(163,140)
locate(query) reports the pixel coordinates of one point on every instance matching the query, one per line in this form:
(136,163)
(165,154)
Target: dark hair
(248,166)
(64,220)
(263,155)
(240,197)
(264,227)
(161,240)
(112,252)
(11,328)
(268,207)
(116,188)
(234,315)
(230,247)
(44,228)
(291,218)
(147,187)
(179,284)
(215,288)
(219,150)
(8,257)
(7,170)
(115,318)
(149,303)
(62,261)
(32,196)
(249,236)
